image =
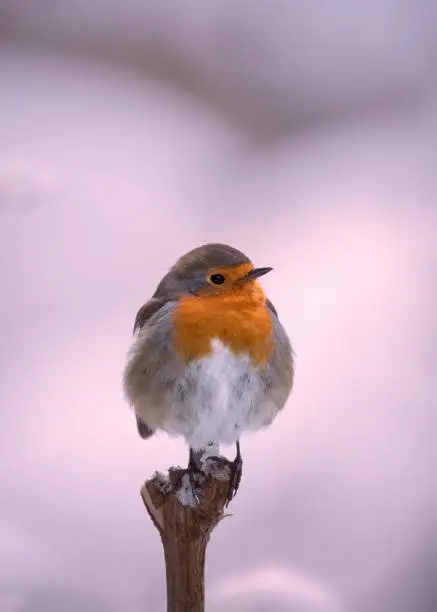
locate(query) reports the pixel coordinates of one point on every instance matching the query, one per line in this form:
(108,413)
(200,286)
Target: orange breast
(239,320)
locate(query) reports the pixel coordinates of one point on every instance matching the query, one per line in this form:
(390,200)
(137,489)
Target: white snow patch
(185,494)
(212,450)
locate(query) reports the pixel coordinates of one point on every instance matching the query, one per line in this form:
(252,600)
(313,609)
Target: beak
(255,273)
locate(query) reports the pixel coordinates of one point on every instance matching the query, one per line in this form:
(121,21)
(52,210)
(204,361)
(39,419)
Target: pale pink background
(305,137)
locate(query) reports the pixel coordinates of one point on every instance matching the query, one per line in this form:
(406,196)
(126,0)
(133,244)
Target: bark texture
(185,526)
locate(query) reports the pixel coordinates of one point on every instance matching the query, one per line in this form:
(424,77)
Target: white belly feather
(219,397)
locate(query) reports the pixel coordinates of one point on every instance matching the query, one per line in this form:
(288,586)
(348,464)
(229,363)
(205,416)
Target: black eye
(217,279)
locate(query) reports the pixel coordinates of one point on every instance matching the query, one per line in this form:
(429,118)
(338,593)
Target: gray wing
(147,311)
(281,370)
(142,317)
(272,308)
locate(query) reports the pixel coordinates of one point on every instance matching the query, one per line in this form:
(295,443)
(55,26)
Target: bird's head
(212,270)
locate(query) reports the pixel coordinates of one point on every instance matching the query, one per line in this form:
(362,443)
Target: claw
(194,470)
(236,474)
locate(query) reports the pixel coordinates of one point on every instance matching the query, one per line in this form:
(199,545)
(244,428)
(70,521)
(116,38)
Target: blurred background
(303,133)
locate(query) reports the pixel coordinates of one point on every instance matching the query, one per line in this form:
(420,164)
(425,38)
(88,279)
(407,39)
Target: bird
(209,358)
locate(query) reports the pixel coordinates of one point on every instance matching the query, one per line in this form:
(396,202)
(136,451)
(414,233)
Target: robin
(209,359)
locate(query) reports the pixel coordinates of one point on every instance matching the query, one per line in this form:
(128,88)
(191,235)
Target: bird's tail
(144,431)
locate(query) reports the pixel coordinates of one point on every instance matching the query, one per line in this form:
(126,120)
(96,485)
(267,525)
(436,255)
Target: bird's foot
(236,468)
(236,474)
(197,471)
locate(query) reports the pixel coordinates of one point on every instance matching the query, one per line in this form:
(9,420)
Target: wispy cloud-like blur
(272,67)
(128,138)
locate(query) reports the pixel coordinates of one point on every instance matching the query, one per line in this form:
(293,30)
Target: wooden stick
(185,526)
